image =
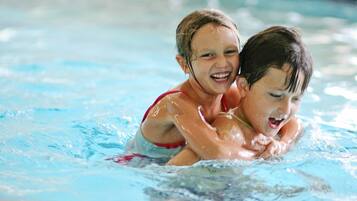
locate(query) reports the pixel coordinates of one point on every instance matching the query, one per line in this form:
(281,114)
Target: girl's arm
(291,131)
(206,141)
(201,136)
(231,135)
(185,157)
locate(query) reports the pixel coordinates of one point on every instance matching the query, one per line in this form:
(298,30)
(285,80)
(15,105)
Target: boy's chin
(271,133)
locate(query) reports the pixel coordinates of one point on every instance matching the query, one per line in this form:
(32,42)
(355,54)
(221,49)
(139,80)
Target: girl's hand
(260,142)
(274,148)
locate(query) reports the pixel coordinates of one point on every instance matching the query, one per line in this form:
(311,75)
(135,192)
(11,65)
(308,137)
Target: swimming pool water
(77,76)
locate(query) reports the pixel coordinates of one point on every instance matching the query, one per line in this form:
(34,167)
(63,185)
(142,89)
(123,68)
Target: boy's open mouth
(222,76)
(274,123)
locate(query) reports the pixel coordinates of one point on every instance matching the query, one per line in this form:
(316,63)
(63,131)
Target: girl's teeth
(220,75)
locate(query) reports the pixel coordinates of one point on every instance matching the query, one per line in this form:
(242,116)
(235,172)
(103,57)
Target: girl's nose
(221,61)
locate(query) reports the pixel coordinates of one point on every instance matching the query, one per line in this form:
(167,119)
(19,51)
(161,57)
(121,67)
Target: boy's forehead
(280,78)
(275,77)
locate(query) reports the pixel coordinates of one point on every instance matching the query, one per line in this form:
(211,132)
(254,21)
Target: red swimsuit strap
(224,104)
(171,145)
(157,100)
(165,145)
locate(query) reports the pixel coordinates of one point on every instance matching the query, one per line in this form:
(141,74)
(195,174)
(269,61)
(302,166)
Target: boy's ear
(242,85)
(182,62)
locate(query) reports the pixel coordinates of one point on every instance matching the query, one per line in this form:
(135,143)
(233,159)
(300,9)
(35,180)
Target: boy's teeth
(275,121)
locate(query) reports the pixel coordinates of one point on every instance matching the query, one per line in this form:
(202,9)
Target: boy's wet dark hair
(275,47)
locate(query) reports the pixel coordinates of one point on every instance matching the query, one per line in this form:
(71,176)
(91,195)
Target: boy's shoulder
(227,126)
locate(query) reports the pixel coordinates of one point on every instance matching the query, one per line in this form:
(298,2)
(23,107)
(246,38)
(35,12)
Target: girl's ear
(182,62)
(242,85)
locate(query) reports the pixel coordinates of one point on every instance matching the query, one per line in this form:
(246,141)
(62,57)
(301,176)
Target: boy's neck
(249,132)
(241,118)
(238,113)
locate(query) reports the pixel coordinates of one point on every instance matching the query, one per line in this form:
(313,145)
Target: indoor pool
(77,76)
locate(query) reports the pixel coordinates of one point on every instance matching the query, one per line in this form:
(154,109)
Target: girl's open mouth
(221,77)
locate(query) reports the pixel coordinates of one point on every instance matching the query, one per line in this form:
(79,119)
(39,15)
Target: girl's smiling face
(215,58)
(268,104)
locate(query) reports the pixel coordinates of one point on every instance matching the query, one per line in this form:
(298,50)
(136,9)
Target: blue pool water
(76,77)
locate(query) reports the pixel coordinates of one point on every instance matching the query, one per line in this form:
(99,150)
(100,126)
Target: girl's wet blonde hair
(194,21)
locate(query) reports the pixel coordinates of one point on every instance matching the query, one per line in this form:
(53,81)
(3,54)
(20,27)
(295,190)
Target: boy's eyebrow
(279,89)
(297,92)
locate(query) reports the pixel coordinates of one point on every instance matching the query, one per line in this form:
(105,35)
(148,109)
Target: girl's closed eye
(231,52)
(207,55)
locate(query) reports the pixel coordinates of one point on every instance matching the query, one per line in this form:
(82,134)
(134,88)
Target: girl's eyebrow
(208,50)
(211,50)
(204,50)
(232,46)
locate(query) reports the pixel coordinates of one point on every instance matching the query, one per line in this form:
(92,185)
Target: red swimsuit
(182,143)
(126,158)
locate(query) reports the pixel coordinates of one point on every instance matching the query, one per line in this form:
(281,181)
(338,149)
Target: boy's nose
(285,107)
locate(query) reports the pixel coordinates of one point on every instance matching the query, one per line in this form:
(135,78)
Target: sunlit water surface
(76,77)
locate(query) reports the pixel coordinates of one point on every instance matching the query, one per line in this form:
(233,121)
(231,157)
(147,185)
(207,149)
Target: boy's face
(268,105)
(215,58)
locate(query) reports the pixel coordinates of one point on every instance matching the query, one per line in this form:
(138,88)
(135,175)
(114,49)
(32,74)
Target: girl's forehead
(211,27)
(212,34)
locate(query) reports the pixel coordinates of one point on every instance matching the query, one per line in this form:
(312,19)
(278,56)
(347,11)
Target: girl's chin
(223,84)
(219,91)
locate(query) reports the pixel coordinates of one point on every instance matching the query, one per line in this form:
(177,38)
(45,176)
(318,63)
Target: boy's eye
(296,99)
(275,95)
